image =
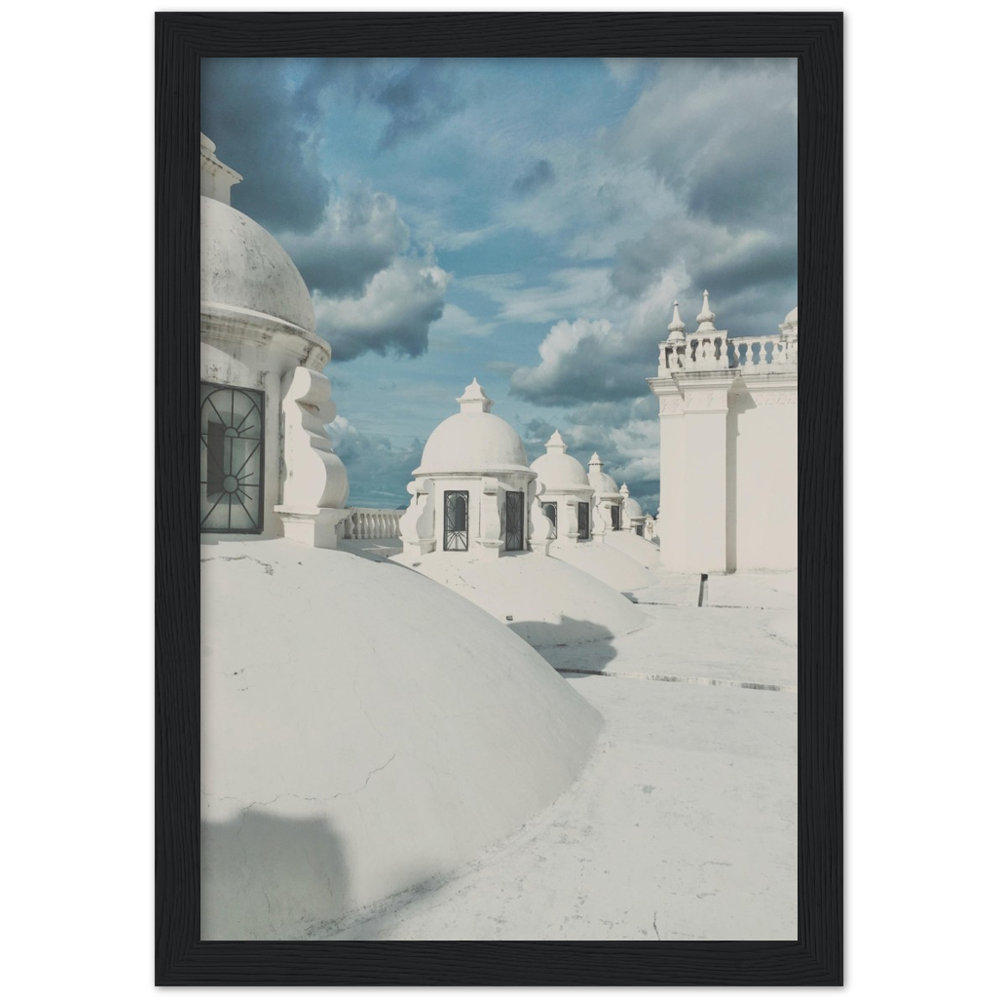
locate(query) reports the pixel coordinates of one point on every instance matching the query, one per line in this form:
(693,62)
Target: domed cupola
(473,491)
(568,495)
(266,464)
(607,497)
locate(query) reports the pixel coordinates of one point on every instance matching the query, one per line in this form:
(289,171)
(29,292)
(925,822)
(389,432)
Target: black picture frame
(816,957)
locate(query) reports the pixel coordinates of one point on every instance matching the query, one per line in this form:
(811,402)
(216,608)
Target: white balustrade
(772,349)
(368,522)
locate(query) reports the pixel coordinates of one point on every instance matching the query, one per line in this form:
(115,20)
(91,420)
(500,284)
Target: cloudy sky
(526,221)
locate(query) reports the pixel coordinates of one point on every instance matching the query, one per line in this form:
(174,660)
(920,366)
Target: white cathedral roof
(473,441)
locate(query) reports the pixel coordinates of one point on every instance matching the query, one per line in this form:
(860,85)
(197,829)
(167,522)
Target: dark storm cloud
(581,362)
(723,263)
(538,175)
(392,317)
(359,236)
(255,121)
(417,99)
(717,145)
(263,115)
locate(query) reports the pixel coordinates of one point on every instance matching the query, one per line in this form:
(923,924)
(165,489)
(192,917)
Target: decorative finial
(624,490)
(595,459)
(556,443)
(676,326)
(474,399)
(706,318)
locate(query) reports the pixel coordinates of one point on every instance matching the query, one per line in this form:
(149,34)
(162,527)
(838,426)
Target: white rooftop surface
(642,551)
(605,562)
(683,824)
(544,600)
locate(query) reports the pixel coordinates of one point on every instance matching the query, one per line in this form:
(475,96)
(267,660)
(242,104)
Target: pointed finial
(676,326)
(624,490)
(556,443)
(474,399)
(595,459)
(706,318)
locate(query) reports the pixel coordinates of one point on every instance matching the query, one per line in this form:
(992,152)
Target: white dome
(244,268)
(344,761)
(603,484)
(478,443)
(632,508)
(560,472)
(793,316)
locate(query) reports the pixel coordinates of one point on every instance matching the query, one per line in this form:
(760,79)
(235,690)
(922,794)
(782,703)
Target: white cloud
(574,291)
(394,314)
(360,235)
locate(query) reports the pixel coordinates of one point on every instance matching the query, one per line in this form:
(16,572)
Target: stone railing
(773,349)
(706,353)
(367,522)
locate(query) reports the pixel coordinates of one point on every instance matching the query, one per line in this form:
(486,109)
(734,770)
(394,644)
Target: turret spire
(474,399)
(706,318)
(556,443)
(676,326)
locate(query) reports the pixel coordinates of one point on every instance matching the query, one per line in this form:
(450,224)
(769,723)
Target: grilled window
(583,520)
(232,459)
(616,518)
(638,530)
(456,520)
(513,509)
(549,510)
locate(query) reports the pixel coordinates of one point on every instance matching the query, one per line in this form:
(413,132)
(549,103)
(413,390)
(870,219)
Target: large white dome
(793,316)
(364,730)
(473,442)
(245,269)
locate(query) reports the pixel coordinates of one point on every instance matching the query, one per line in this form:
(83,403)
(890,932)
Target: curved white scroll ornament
(314,477)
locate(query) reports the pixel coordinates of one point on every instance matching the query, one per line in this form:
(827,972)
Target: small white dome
(244,268)
(473,440)
(604,485)
(632,508)
(478,443)
(793,316)
(558,471)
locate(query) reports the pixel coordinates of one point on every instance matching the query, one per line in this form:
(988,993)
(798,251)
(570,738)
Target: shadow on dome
(596,648)
(268,876)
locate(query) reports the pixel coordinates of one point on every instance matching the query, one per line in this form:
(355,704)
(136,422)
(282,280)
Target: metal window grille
(456,520)
(513,507)
(616,519)
(638,530)
(549,510)
(231,479)
(583,520)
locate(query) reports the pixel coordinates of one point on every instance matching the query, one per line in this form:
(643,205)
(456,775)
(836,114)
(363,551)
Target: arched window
(456,520)
(513,509)
(232,459)
(549,510)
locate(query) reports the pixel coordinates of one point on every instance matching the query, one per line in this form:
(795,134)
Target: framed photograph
(498,557)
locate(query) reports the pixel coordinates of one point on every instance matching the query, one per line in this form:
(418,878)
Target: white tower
(728,460)
(266,465)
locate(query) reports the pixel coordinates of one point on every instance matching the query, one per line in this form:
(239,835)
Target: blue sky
(526,221)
